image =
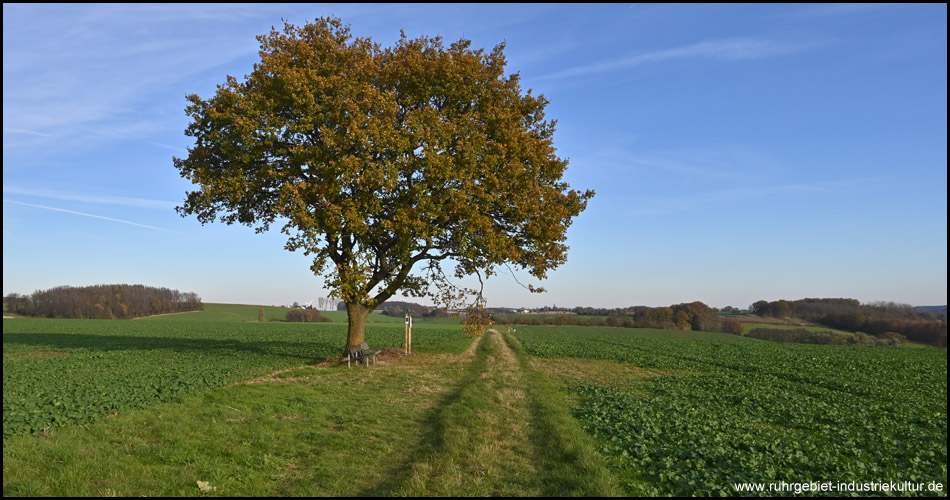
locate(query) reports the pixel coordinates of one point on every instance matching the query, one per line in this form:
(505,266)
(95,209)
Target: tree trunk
(356,314)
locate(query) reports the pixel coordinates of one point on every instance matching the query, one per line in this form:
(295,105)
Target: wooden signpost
(407,346)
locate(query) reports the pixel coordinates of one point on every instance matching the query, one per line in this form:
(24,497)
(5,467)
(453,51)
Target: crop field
(58,372)
(717,410)
(235,408)
(242,313)
(248,313)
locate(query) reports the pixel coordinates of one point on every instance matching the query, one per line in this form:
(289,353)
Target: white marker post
(407,349)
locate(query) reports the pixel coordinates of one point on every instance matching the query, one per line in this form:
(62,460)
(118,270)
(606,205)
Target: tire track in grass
(497,433)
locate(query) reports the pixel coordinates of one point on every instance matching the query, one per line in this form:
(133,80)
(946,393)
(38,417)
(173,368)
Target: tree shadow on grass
(430,444)
(312,352)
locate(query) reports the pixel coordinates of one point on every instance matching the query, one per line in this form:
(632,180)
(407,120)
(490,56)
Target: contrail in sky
(85,214)
(85,198)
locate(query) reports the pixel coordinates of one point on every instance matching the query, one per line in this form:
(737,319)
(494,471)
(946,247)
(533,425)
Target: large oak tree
(383,163)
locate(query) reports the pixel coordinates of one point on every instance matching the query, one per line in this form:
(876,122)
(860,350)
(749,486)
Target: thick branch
(400,278)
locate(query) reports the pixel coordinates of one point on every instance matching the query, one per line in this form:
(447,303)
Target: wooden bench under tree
(361,353)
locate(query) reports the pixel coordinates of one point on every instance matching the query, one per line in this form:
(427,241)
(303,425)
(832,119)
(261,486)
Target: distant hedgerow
(306,316)
(827,337)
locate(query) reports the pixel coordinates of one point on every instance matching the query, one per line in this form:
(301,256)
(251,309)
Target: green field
(91,368)
(747,327)
(718,409)
(247,313)
(153,407)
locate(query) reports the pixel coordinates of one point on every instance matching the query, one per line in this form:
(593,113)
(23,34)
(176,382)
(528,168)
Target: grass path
(501,432)
(476,420)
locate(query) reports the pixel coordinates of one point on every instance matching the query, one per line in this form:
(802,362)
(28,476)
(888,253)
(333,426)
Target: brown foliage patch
(391,354)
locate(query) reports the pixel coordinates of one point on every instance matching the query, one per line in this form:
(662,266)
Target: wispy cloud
(730,49)
(27,132)
(722,163)
(835,9)
(85,198)
(97,73)
(54,209)
(668,205)
(168,146)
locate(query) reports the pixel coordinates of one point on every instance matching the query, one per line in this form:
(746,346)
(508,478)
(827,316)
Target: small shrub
(894,338)
(731,325)
(306,316)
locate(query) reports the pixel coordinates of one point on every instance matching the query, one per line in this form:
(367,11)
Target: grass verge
(459,418)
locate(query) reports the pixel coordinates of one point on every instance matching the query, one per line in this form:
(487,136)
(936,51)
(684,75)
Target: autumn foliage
(383,164)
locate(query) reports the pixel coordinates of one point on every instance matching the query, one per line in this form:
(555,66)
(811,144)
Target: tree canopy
(383,163)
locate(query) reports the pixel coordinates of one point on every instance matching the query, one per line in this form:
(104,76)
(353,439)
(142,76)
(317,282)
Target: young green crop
(58,372)
(676,412)
(739,410)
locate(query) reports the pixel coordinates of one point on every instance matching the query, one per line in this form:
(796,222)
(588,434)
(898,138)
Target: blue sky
(738,152)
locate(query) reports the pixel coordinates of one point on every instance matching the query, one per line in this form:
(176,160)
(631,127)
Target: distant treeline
(399,309)
(876,318)
(688,316)
(882,320)
(935,310)
(102,302)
